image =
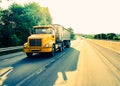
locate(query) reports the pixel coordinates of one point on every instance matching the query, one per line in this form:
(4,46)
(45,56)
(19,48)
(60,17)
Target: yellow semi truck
(47,39)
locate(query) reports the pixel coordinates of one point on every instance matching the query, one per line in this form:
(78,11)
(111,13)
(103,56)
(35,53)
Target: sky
(84,16)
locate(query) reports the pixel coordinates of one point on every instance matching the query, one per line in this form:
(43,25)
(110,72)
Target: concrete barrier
(114,45)
(10,48)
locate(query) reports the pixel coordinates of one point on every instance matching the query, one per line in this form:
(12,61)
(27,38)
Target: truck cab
(42,40)
(47,39)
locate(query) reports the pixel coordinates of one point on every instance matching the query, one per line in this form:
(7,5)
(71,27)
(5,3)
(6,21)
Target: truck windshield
(43,31)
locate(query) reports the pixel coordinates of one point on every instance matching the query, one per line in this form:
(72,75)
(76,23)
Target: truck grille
(35,42)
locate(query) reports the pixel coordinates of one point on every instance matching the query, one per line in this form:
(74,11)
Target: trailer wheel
(68,44)
(53,51)
(29,55)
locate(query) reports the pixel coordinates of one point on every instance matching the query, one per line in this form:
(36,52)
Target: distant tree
(1,36)
(46,18)
(116,38)
(110,36)
(16,22)
(72,35)
(103,36)
(6,29)
(97,36)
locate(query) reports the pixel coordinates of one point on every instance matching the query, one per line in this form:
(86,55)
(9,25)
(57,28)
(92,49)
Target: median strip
(9,50)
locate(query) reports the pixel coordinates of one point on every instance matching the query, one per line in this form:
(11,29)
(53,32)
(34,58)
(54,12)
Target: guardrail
(10,48)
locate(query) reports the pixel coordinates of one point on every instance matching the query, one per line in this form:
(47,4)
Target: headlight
(25,45)
(47,45)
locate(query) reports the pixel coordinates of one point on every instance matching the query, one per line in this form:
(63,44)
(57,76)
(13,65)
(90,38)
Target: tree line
(17,21)
(108,36)
(72,34)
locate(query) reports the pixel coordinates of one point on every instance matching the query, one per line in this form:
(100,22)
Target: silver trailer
(62,36)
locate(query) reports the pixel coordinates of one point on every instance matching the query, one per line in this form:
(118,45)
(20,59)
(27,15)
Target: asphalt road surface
(84,64)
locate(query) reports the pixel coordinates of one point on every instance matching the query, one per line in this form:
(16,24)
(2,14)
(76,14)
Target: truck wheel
(61,47)
(53,51)
(68,44)
(29,54)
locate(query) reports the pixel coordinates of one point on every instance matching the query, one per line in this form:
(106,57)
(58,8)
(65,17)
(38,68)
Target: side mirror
(53,36)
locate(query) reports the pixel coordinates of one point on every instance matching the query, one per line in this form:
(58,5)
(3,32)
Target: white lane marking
(5,60)
(25,79)
(4,73)
(38,71)
(61,55)
(54,59)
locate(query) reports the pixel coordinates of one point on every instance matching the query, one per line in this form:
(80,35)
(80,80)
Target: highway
(83,64)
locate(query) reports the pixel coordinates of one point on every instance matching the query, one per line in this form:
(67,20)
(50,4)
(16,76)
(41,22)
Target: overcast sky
(84,16)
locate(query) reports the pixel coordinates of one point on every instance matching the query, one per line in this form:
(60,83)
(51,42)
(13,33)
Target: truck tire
(53,51)
(61,47)
(29,55)
(68,44)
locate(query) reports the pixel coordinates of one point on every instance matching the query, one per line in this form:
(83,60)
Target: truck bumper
(37,50)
